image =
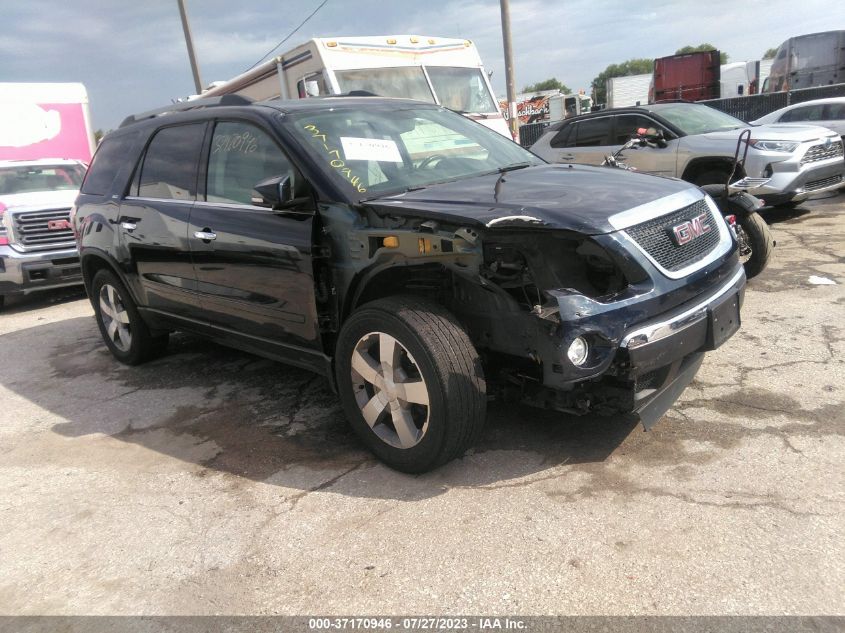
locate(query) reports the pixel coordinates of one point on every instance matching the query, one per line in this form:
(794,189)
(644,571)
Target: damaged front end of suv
(581,312)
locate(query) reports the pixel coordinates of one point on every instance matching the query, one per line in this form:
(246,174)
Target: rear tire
(121,326)
(411,382)
(760,241)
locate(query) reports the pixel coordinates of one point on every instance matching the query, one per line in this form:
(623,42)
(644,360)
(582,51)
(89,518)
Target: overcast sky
(131,54)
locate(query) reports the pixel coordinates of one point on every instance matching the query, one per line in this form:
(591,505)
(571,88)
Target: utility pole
(509,80)
(189,41)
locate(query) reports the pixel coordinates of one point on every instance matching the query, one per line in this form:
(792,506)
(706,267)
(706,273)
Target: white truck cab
(445,71)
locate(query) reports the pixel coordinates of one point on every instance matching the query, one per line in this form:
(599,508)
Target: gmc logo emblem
(691,229)
(58,225)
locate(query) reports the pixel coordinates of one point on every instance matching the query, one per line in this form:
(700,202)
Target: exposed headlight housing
(773,146)
(578,351)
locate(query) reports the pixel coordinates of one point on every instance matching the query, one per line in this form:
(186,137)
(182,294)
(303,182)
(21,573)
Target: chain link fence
(747,108)
(530,132)
(754,106)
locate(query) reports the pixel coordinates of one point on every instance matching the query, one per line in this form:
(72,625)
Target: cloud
(132,55)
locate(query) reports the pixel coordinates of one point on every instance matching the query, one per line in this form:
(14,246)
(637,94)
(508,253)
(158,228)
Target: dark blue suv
(417,259)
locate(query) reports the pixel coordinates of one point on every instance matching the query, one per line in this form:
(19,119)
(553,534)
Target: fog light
(578,351)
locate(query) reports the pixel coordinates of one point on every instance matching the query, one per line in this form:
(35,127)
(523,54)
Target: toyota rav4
(785,164)
(418,259)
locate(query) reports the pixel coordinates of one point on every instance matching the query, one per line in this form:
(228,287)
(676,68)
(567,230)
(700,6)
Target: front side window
(29,179)
(169,170)
(592,132)
(407,82)
(461,89)
(372,151)
(628,124)
(312,86)
(241,156)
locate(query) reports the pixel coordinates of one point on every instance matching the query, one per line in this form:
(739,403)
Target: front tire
(121,326)
(410,382)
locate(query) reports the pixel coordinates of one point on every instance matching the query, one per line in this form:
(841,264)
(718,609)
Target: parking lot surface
(214,482)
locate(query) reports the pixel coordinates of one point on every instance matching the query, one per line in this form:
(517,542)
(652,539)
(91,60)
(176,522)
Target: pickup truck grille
(822,152)
(40,230)
(656,237)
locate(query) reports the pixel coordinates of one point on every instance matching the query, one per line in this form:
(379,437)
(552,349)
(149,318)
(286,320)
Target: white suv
(37,246)
(785,163)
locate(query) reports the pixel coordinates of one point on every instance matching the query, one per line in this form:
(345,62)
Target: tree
(770,53)
(639,66)
(98,136)
(723,56)
(547,84)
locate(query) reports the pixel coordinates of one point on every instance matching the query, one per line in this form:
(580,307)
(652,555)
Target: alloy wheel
(115,318)
(390,390)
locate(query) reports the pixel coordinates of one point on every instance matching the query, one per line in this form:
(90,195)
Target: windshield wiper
(468,113)
(513,167)
(387,194)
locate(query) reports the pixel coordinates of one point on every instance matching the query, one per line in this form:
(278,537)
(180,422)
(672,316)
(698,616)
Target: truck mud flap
(662,401)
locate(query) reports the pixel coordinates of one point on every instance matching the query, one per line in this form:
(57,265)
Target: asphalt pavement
(214,482)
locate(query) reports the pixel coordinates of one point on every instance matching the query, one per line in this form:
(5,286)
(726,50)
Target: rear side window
(835,112)
(111,154)
(169,170)
(591,132)
(806,113)
(560,139)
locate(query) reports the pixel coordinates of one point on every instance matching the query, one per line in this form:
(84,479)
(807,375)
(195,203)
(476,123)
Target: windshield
(373,151)
(27,179)
(461,89)
(698,119)
(407,82)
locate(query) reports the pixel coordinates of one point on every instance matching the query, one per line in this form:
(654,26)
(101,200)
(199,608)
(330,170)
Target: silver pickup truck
(37,247)
(785,163)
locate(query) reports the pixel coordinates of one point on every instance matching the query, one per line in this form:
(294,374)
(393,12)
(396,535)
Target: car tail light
(4,237)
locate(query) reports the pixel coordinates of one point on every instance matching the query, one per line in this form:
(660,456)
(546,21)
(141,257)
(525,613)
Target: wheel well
(701,165)
(428,280)
(91,265)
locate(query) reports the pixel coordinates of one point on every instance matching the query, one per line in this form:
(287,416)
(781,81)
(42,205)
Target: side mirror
(655,137)
(277,194)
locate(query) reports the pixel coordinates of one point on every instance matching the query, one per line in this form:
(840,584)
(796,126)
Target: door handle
(206,235)
(128,226)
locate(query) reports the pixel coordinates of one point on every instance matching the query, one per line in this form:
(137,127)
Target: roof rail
(208,102)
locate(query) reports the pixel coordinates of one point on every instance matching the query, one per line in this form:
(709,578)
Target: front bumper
(22,273)
(646,347)
(791,181)
(663,355)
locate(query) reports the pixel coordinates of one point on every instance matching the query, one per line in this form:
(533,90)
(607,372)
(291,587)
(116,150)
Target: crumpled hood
(572,197)
(776,132)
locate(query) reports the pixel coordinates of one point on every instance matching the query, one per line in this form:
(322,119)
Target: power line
(289,35)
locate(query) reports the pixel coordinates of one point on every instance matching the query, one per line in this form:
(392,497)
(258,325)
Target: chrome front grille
(38,230)
(657,237)
(813,185)
(822,152)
